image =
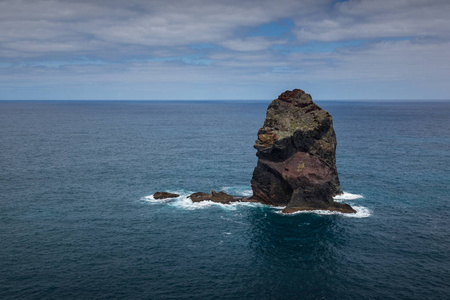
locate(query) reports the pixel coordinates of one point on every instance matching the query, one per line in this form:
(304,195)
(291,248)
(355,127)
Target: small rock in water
(164,195)
(222,197)
(197,197)
(219,197)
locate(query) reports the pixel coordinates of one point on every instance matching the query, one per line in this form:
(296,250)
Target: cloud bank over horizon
(156,50)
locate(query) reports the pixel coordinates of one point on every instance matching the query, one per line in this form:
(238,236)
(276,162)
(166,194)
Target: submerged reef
(296,159)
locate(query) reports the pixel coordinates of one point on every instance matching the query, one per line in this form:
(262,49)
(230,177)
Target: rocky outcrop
(164,195)
(296,159)
(296,156)
(199,196)
(219,197)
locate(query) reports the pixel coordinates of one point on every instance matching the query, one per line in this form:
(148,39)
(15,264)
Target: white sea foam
(347,196)
(184,202)
(148,198)
(240,190)
(152,199)
(187,203)
(361,212)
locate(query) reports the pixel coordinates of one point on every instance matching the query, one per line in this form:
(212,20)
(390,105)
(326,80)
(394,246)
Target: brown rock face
(200,196)
(219,197)
(164,195)
(297,156)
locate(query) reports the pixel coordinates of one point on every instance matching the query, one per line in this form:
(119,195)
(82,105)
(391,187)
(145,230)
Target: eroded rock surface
(200,196)
(164,195)
(297,156)
(219,197)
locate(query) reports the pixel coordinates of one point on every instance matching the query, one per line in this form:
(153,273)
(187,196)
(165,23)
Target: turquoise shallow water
(77,220)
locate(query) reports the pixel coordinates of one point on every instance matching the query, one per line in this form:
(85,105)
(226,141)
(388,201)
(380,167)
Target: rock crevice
(297,156)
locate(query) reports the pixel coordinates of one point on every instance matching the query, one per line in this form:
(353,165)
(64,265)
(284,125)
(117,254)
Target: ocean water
(78,221)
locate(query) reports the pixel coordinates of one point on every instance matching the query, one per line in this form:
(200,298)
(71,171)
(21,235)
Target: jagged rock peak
(297,156)
(292,111)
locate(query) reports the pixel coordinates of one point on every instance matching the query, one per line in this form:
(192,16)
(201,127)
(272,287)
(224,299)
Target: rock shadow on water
(304,248)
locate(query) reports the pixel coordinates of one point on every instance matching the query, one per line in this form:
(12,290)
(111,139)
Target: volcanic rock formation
(164,195)
(297,156)
(296,159)
(219,197)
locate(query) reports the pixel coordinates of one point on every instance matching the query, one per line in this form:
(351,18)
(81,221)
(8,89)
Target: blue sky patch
(273,29)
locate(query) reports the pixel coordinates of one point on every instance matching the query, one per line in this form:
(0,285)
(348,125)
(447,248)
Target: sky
(208,50)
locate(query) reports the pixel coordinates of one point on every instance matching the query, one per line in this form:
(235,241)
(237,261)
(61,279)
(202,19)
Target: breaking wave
(240,190)
(347,196)
(361,212)
(184,202)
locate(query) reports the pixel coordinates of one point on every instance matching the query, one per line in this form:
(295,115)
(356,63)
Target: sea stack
(297,157)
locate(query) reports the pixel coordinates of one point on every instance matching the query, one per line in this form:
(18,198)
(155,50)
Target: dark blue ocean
(77,220)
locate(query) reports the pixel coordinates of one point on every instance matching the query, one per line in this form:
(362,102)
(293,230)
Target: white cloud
(248,44)
(366,19)
(146,42)
(144,23)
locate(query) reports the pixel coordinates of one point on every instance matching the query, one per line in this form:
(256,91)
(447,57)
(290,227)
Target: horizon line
(210,100)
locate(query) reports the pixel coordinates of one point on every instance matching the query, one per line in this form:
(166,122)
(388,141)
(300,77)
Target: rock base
(339,207)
